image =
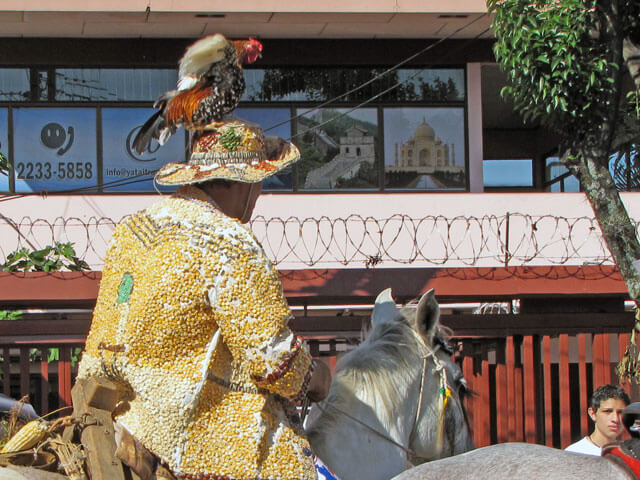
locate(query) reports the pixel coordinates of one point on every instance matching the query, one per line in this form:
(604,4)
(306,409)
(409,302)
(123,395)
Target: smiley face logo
(53,136)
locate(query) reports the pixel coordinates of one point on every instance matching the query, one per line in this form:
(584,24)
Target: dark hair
(605,392)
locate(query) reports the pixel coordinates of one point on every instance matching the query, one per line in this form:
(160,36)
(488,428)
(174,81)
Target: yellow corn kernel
(26,437)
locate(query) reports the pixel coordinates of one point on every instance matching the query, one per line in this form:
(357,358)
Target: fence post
(507,255)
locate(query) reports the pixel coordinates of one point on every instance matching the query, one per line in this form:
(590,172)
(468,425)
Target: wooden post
(511,410)
(582,378)
(530,434)
(482,412)
(565,400)
(96,398)
(502,396)
(548,418)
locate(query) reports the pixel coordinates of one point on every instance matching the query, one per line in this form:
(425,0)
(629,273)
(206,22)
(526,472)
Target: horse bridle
(445,394)
(444,390)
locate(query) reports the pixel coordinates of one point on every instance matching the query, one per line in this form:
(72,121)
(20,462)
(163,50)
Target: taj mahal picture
(424,148)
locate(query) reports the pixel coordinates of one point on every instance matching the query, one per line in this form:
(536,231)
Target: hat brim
(184,174)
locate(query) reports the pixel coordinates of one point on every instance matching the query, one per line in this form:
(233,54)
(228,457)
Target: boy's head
(607,403)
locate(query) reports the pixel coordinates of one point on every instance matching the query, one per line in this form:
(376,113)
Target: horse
(395,400)
(519,461)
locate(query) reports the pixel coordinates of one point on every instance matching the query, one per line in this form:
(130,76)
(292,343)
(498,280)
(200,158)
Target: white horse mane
(388,361)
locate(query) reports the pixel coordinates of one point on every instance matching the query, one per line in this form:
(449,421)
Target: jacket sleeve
(252,314)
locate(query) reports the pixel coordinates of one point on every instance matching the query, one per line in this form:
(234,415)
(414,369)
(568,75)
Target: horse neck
(352,417)
(355,426)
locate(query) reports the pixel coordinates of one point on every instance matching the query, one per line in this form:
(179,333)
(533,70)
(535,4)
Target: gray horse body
(518,461)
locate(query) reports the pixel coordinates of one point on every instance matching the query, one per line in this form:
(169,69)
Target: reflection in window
(424,148)
(558,178)
(99,84)
(328,139)
(5,171)
(508,173)
(343,84)
(15,85)
(625,169)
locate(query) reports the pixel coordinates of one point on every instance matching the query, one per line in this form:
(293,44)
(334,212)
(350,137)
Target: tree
(574,66)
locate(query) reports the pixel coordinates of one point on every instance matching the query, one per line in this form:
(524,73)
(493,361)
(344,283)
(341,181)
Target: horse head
(395,399)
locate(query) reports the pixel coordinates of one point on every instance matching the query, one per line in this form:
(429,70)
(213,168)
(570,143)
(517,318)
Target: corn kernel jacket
(192,319)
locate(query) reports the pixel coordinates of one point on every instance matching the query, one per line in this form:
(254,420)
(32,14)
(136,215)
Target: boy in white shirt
(605,409)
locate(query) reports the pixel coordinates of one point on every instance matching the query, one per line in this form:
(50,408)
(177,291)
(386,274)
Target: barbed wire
(364,241)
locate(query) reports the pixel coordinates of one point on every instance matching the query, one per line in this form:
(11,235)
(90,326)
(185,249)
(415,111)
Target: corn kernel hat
(234,150)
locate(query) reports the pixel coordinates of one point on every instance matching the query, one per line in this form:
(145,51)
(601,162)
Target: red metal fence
(535,388)
(530,388)
(44,371)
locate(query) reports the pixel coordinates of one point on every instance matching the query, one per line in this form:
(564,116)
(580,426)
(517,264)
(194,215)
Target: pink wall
(347,230)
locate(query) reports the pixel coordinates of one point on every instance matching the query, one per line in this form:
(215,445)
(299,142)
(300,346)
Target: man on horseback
(191,321)
(605,409)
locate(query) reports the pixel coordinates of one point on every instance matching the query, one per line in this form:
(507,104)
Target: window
(15,84)
(625,169)
(508,173)
(71,128)
(54,149)
(113,85)
(4,148)
(124,170)
(558,178)
(313,84)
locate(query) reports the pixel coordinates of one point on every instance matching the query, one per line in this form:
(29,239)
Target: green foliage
(560,73)
(319,84)
(49,259)
(4,165)
(53,355)
(10,315)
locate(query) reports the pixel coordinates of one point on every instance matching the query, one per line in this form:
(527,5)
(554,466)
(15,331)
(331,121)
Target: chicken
(210,85)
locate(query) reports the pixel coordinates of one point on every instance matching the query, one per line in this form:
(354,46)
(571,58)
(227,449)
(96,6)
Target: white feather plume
(199,56)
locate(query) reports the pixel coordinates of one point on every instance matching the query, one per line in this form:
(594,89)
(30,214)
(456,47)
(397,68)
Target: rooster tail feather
(163,99)
(151,129)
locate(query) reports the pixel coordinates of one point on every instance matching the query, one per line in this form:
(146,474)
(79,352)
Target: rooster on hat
(210,85)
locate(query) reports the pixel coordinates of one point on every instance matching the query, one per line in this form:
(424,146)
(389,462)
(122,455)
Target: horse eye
(463,386)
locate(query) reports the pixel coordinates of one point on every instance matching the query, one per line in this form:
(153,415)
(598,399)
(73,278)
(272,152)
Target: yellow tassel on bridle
(445,395)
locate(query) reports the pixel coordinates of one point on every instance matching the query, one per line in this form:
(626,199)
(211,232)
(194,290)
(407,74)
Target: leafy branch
(48,259)
(10,315)
(4,165)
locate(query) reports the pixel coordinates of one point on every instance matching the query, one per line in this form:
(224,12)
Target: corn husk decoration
(71,457)
(629,367)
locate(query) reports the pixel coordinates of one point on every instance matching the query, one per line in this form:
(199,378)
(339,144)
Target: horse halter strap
(445,390)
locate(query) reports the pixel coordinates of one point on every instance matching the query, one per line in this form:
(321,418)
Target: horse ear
(427,314)
(385,309)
